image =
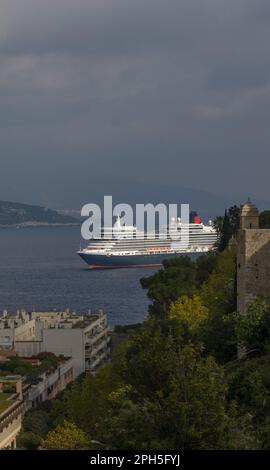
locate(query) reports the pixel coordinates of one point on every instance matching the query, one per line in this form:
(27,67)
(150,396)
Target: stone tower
(253,258)
(249,216)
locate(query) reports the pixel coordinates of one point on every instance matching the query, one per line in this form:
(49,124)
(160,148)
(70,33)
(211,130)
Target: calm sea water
(39,269)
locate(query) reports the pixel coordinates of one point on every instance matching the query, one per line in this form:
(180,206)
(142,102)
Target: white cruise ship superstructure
(125,246)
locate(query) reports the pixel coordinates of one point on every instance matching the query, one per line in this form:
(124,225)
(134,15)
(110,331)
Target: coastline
(40,225)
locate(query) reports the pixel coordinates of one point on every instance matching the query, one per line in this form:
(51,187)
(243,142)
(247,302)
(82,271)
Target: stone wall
(253,266)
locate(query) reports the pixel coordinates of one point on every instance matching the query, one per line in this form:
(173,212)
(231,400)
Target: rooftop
(51,319)
(31,369)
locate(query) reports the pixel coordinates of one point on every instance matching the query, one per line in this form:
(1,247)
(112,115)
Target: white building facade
(84,338)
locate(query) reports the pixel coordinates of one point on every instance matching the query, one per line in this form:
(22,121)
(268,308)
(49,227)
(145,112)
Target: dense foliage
(227,226)
(265,219)
(66,437)
(36,425)
(180,276)
(177,382)
(159,393)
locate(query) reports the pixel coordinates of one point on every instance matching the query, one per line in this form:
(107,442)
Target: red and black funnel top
(194,218)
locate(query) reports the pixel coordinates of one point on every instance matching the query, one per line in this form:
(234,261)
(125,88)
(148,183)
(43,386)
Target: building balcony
(92,351)
(97,361)
(90,340)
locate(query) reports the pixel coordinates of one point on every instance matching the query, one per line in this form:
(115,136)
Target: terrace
(11,409)
(5,401)
(31,368)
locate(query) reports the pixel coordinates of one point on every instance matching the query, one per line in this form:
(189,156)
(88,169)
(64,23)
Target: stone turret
(249,216)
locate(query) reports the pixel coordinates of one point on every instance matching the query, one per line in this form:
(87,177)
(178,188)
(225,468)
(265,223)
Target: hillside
(17,214)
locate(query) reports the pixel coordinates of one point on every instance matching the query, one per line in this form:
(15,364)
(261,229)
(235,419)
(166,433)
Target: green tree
(36,424)
(253,329)
(225,235)
(249,387)
(227,226)
(218,295)
(66,437)
(177,278)
(37,421)
(180,276)
(174,399)
(190,313)
(86,403)
(265,219)
(218,223)
(204,265)
(28,440)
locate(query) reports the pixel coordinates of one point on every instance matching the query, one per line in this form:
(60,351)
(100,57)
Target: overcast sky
(159,92)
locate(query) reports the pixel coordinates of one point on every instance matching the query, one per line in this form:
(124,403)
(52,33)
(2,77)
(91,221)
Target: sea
(40,270)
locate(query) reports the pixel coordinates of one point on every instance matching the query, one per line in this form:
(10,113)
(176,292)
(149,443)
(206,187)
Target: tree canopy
(66,437)
(176,382)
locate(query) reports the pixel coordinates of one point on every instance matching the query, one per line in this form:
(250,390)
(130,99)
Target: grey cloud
(163,91)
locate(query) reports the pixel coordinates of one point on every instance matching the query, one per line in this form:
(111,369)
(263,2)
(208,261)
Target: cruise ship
(127,247)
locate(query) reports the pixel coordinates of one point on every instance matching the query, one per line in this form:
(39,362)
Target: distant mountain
(91,188)
(17,214)
(132,192)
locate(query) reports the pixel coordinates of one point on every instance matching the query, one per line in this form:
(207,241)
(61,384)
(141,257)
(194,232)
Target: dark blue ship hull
(127,261)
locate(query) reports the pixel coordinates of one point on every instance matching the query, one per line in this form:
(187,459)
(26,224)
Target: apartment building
(84,338)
